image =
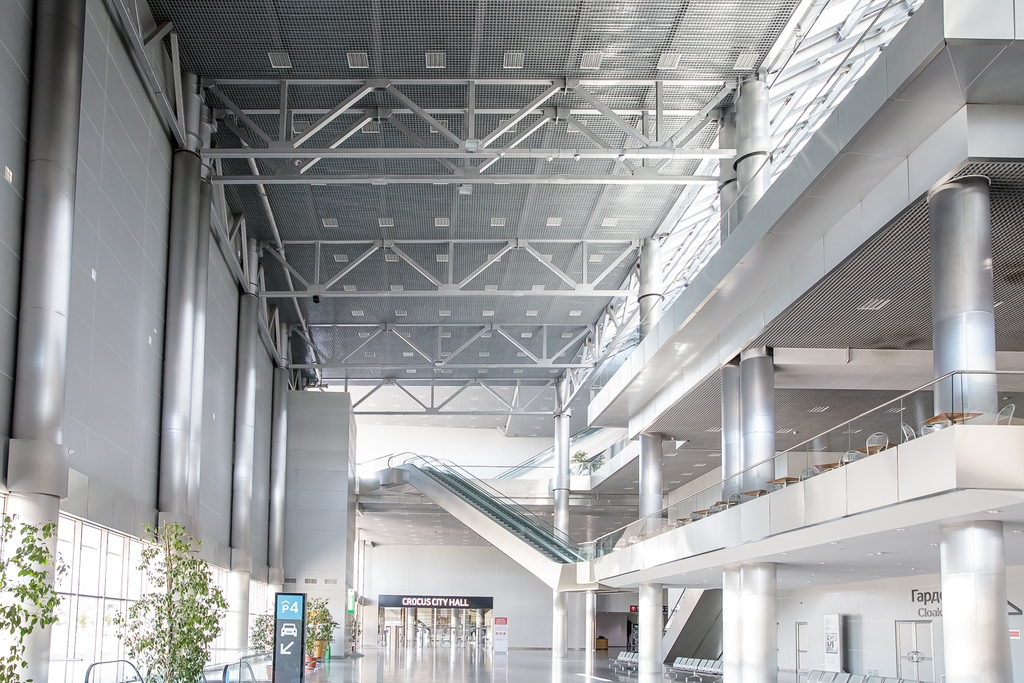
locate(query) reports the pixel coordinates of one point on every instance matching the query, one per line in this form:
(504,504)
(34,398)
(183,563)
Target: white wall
(479,571)
(870,611)
(466,447)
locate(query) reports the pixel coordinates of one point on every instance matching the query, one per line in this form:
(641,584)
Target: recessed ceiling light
(341,258)
(397,288)
(538,288)
(407,354)
(818,409)
(531,314)
(446,335)
(369,354)
(279,59)
(746,61)
(512,60)
(358,60)
(609,222)
(596,258)
(714,430)
(520,371)
(669,60)
(391,257)
(442,222)
(357,314)
(330,222)
(488,314)
(482,371)
(485,354)
(566,335)
(444,314)
(349,288)
(590,61)
(364,335)
(371,126)
(993,512)
(526,335)
(554,221)
(575,314)
(874,304)
(385,222)
(435,60)
(441,258)
(497,222)
(490,288)
(465,189)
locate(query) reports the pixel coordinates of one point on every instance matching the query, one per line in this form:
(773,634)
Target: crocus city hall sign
(440,602)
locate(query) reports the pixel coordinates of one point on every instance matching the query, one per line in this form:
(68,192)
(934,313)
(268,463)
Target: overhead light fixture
(279,59)
(818,409)
(401,314)
(520,371)
(357,314)
(397,288)
(330,222)
(537,288)
(465,189)
(391,257)
(435,60)
(531,314)
(490,288)
(590,61)
(746,61)
(488,314)
(441,258)
(669,60)
(596,258)
(714,430)
(575,314)
(566,335)
(497,222)
(364,335)
(874,304)
(485,354)
(513,60)
(407,354)
(386,222)
(341,258)
(349,288)
(446,335)
(369,354)
(358,60)
(526,335)
(442,222)
(609,222)
(554,221)
(371,126)
(445,314)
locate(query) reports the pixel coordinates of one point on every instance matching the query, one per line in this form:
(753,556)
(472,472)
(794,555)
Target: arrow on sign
(287,649)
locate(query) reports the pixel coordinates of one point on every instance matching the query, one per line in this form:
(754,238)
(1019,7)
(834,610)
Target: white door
(803,660)
(915,657)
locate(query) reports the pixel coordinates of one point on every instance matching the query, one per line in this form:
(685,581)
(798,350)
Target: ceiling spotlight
(465,189)
(316,298)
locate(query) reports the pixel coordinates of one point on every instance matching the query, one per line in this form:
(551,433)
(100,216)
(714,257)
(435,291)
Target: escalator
(524,536)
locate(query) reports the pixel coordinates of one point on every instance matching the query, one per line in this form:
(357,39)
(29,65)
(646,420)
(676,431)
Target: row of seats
(701,667)
(833,677)
(626,661)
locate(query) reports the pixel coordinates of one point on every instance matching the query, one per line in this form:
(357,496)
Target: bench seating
(626,661)
(833,677)
(695,668)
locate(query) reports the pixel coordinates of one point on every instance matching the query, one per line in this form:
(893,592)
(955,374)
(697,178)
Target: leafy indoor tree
(262,632)
(168,631)
(320,627)
(29,599)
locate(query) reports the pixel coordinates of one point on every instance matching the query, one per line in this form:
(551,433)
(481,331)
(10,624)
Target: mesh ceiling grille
(894,266)
(231,39)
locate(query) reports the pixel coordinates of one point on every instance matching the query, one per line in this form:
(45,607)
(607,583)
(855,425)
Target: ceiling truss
(435,405)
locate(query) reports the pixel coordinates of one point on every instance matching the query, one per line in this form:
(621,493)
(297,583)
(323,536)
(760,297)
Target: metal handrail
(566,542)
(531,462)
(618,533)
(138,676)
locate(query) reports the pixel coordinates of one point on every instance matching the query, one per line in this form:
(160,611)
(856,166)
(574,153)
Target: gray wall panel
(119,256)
(261,464)
(15,70)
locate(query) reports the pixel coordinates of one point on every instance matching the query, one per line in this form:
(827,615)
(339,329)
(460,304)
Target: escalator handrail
(494,496)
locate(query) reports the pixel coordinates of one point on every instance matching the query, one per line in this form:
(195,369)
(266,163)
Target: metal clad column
(758,624)
(237,627)
(753,145)
(278,467)
(963,323)
(651,486)
(727,174)
(591,631)
(560,491)
(199,333)
(180,318)
(974,624)
(732,456)
(652,625)
(651,621)
(652,289)
(37,460)
(732,636)
(757,417)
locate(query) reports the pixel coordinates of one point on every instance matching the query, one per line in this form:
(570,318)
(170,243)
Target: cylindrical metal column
(199,332)
(652,624)
(278,473)
(37,460)
(753,145)
(560,625)
(652,288)
(758,624)
(727,174)
(757,419)
(410,626)
(651,487)
(732,455)
(245,428)
(236,621)
(732,626)
(180,318)
(963,323)
(591,631)
(974,624)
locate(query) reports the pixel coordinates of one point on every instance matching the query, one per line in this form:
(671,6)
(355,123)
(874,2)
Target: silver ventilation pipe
(278,465)
(732,454)
(963,319)
(753,145)
(237,626)
(727,174)
(199,331)
(180,317)
(37,460)
(652,288)
(757,418)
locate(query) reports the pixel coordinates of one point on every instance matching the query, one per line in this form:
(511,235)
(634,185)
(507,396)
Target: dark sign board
(439,601)
(636,608)
(289,637)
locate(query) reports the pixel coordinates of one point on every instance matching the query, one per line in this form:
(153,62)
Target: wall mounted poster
(833,643)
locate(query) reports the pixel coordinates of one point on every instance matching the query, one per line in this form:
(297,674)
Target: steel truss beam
(587,288)
(435,407)
(657,153)
(465,175)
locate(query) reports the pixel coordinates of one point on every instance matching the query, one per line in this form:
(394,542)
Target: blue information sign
(289,637)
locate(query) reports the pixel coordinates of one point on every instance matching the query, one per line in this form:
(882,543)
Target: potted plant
(169,630)
(579,462)
(27,579)
(320,628)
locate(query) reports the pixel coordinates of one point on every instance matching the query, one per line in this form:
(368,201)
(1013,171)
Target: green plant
(262,633)
(320,625)
(26,583)
(586,465)
(168,631)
